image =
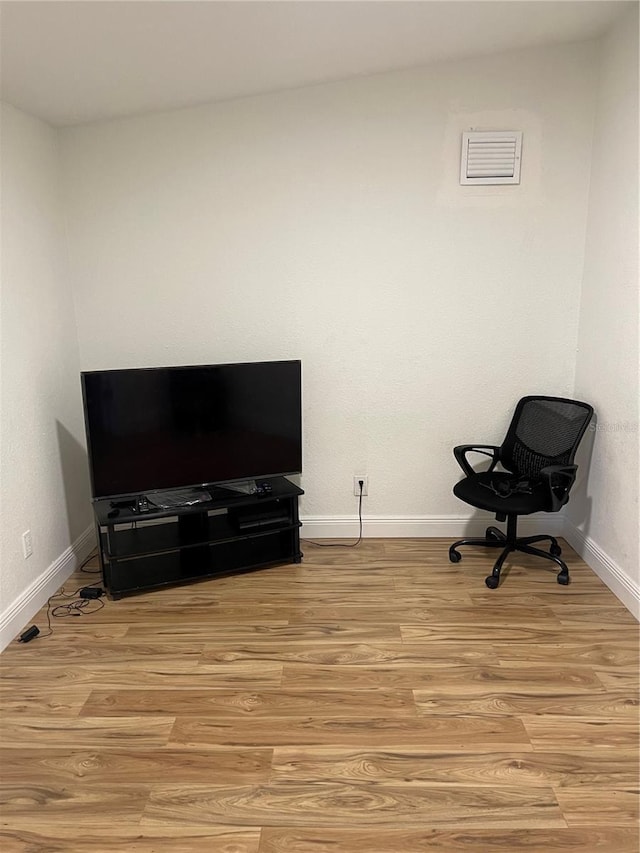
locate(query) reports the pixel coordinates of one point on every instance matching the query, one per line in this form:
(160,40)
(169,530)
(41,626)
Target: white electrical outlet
(27,544)
(365,485)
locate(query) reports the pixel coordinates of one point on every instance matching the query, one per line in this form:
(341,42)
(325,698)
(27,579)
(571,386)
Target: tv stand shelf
(140,551)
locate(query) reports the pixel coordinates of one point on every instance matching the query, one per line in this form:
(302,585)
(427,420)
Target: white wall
(328,224)
(43,467)
(607,363)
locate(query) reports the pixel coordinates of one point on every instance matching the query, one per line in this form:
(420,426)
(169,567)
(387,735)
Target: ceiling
(75,62)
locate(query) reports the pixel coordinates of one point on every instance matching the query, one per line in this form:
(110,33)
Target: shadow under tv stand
(232,533)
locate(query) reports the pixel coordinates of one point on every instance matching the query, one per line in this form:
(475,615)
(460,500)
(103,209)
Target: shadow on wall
(580,503)
(74,464)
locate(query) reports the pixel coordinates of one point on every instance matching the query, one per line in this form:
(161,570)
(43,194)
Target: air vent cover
(491,158)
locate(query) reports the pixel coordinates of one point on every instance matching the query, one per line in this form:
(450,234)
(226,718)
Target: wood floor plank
(32,700)
(615,769)
(473,569)
(557,732)
(146,674)
(366,678)
(597,616)
(87,732)
(111,837)
(499,635)
(598,596)
(417,610)
(80,675)
(328,596)
(315,604)
(321,839)
(351,654)
(488,614)
(584,807)
(255,704)
(303,633)
(331,804)
(113,677)
(65,803)
(242,674)
(627,678)
(133,765)
(466,679)
(603,656)
(564,703)
(59,651)
(457,734)
(349,580)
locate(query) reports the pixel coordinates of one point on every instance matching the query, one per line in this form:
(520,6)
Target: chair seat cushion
(480,491)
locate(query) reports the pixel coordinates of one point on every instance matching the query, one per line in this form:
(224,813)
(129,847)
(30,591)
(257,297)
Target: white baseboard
(393,527)
(620,584)
(26,605)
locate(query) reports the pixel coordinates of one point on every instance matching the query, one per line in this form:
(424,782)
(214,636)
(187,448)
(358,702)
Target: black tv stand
(142,547)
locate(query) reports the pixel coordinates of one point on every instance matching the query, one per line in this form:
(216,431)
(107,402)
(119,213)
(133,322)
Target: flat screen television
(161,428)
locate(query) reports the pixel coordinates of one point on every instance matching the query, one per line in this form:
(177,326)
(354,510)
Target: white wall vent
(491,158)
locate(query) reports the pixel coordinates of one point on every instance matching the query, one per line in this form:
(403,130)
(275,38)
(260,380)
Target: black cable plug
(91,592)
(29,634)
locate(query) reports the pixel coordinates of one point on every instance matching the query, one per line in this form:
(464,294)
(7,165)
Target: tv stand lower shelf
(144,551)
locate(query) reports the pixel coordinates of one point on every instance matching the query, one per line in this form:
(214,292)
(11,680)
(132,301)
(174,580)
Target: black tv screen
(150,429)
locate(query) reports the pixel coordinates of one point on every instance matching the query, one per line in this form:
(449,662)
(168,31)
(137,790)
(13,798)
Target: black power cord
(83,567)
(82,598)
(344,544)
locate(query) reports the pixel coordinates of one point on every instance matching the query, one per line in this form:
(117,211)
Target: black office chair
(538,472)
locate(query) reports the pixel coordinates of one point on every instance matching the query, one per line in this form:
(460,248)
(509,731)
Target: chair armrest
(558,480)
(460,452)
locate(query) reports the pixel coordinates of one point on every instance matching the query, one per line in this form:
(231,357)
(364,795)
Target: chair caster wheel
(491,534)
(454,556)
(563,579)
(555,550)
(492,582)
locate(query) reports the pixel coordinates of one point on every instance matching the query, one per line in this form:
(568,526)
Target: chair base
(509,542)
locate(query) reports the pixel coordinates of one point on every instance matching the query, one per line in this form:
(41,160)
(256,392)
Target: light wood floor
(375,699)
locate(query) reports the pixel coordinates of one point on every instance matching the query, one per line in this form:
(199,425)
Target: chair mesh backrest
(544,431)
